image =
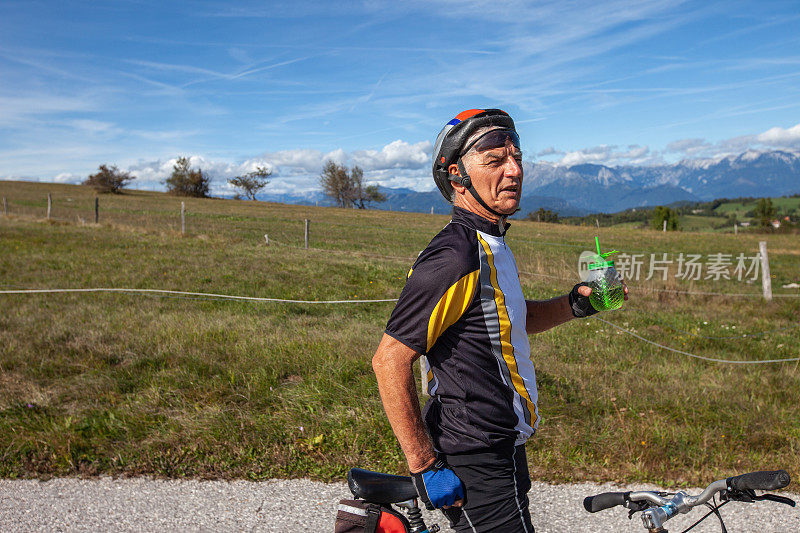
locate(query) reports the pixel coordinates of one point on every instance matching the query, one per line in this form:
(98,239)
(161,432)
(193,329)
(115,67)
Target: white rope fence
(202,294)
(279,300)
(712,359)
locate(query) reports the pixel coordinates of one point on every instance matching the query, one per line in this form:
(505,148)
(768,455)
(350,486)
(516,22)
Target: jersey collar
(477,222)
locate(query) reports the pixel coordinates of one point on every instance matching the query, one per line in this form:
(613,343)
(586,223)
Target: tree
(360,193)
(662,213)
(335,183)
(543,215)
(187,182)
(109,179)
(252,182)
(347,188)
(765,212)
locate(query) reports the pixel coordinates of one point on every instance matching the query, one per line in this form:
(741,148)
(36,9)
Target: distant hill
(598,188)
(582,189)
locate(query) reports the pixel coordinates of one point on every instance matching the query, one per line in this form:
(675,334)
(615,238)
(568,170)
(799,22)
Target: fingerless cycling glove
(580,304)
(438,486)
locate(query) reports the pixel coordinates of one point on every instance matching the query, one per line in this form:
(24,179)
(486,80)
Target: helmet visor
(493,139)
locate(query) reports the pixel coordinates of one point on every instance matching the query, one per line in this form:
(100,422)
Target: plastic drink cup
(605,282)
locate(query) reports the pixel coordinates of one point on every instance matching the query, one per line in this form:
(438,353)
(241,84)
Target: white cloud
(549,151)
(771,139)
(397,154)
(688,147)
(781,137)
(612,156)
(398,164)
(68,177)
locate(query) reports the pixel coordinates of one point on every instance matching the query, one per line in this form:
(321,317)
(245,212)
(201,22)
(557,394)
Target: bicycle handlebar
(766,480)
(606,500)
(657,507)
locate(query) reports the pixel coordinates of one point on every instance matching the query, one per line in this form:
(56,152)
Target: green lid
(601,264)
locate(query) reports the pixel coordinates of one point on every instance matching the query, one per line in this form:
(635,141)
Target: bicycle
(658,507)
(390,490)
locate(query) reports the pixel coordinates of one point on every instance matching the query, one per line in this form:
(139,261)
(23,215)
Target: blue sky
(288,85)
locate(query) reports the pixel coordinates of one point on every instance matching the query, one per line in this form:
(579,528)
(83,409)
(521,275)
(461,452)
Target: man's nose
(513,168)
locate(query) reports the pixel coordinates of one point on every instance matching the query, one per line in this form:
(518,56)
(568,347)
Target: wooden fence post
(597,221)
(735,228)
(766,279)
(266,238)
(96,210)
(306,232)
(5,207)
(49,204)
(183,218)
(665,226)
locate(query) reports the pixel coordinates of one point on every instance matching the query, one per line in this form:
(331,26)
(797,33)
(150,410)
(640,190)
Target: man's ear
(455,173)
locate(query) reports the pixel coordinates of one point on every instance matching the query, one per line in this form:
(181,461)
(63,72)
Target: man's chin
(508,207)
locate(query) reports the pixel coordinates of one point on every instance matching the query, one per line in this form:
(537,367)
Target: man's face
(496,174)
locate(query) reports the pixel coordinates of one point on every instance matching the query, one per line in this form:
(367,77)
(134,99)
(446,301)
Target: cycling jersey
(463,309)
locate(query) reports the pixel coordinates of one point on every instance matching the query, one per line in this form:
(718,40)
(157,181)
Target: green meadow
(191,386)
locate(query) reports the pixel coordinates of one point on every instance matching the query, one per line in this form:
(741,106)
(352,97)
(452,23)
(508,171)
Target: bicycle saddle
(380,488)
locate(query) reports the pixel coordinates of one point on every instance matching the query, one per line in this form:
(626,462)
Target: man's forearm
(393,365)
(546,314)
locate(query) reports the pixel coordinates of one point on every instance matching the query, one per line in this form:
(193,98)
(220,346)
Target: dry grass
(132,384)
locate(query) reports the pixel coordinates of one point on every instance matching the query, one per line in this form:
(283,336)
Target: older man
(463,309)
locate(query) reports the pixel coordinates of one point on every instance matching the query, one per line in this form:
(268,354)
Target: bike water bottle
(605,282)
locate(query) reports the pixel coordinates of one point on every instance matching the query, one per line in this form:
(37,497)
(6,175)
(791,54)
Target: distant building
(776,224)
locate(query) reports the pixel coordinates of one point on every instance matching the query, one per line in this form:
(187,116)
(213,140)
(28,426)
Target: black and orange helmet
(450,141)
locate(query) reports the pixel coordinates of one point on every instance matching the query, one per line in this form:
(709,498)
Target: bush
(187,182)
(662,213)
(765,212)
(347,189)
(109,179)
(251,183)
(543,215)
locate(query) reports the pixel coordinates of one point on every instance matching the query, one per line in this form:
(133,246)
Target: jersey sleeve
(440,288)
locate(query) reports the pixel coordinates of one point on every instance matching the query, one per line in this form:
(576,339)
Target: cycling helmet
(450,144)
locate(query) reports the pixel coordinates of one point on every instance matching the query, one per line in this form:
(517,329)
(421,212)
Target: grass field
(783,205)
(179,386)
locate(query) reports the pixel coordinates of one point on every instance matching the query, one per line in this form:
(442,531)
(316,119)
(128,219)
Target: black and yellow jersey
(462,308)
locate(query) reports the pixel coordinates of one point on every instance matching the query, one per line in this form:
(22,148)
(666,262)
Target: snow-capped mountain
(589,188)
(599,188)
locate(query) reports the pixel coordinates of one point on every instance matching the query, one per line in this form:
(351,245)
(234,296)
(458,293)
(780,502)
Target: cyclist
(463,309)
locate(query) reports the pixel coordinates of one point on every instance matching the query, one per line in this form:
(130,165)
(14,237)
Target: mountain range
(588,188)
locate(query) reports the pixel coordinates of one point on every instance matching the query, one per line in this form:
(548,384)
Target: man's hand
(438,486)
(579,299)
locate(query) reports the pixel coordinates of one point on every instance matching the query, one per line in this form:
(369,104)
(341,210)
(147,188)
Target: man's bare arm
(393,365)
(546,314)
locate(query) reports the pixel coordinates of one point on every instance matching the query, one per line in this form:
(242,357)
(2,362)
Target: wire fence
(282,226)
(212,296)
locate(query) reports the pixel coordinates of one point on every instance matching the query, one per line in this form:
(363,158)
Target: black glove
(437,485)
(581,307)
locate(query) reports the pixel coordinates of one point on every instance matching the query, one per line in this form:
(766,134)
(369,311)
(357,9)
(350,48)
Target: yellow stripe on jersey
(505,330)
(451,306)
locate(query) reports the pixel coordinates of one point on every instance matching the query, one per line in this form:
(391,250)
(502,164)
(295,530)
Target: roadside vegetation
(183,386)
(750,214)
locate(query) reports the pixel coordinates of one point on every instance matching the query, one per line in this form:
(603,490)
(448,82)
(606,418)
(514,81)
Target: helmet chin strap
(466,181)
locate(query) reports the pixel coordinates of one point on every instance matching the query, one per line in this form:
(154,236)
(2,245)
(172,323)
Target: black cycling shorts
(497,485)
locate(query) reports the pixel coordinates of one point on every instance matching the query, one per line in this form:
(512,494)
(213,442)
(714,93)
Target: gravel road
(142,504)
